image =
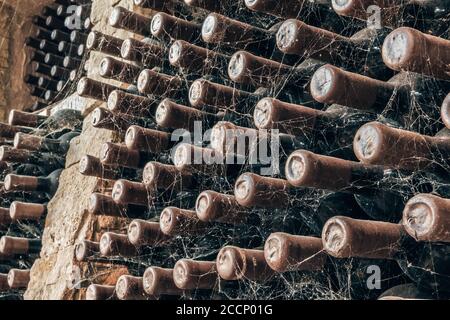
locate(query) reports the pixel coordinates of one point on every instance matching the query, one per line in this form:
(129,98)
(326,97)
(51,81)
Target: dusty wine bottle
(114,244)
(121,71)
(146,233)
(285,252)
(166,27)
(235,263)
(20,118)
(147,53)
(86,249)
(426,264)
(19,246)
(128,20)
(170,114)
(159,281)
(376,143)
(192,275)
(132,104)
(426,218)
(37,143)
(101,42)
(47,184)
(100,204)
(409,49)
(100,292)
(20,211)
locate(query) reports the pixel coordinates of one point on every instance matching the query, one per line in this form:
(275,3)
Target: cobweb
(340,279)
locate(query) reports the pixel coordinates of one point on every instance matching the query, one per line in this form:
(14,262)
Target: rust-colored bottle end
(108,243)
(421,218)
(157,281)
(301,168)
(151,173)
(369,143)
(284,252)
(27,141)
(287,36)
(205,206)
(230,263)
(183,275)
(128,287)
(176,53)
(100,292)
(89,164)
(105,66)
(92,39)
(349,7)
(197,92)
(24,183)
(222,136)
(98,116)
(264,114)
(140,231)
(83,86)
(211,29)
(335,238)
(401,48)
(144,80)
(173,219)
(245,190)
(85,249)
(445,111)
(122,191)
(116,16)
(9,154)
(157,26)
(260,5)
(168,221)
(327,84)
(238,65)
(190,275)
(132,137)
(107,153)
(163,113)
(150,280)
(26,211)
(276,252)
(95,201)
(18,279)
(182,156)
(114,100)
(126,50)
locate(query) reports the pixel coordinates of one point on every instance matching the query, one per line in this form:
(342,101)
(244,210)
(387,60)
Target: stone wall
(68,221)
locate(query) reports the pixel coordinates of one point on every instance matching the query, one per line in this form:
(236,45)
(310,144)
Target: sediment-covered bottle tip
(196,92)
(368,142)
(322,82)
(236,65)
(287,35)
(397,47)
(263,113)
(209,27)
(334,237)
(424,218)
(296,167)
(175,52)
(244,187)
(230,264)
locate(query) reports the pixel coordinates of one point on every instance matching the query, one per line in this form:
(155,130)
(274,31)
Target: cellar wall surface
(56,275)
(15,26)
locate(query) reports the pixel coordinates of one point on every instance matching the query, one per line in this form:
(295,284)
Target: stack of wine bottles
(353,116)
(57,50)
(32,154)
